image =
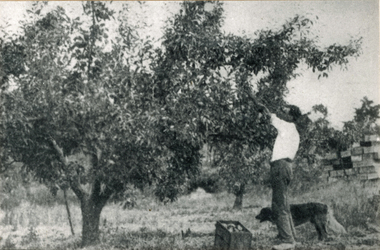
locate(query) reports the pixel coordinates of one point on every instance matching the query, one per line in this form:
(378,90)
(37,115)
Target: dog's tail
(333,226)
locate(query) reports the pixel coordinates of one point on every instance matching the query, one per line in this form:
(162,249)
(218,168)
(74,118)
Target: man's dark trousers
(281,175)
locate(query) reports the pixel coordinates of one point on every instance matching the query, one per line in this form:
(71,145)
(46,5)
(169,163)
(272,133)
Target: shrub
(9,244)
(11,194)
(31,237)
(211,183)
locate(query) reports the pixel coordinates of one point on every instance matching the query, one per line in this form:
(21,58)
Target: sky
(334,22)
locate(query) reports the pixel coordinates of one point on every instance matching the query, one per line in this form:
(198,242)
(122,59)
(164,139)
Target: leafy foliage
(364,122)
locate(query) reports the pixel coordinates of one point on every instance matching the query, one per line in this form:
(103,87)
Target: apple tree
(77,111)
(211,82)
(97,114)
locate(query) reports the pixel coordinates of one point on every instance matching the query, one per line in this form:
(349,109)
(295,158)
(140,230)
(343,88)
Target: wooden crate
(324,175)
(328,167)
(352,177)
(331,156)
(371,138)
(338,166)
(369,143)
(365,143)
(370,176)
(336,173)
(365,163)
(367,170)
(373,176)
(226,240)
(340,173)
(363,176)
(357,151)
(350,171)
(345,154)
(370,156)
(356,158)
(327,162)
(347,165)
(371,149)
(336,162)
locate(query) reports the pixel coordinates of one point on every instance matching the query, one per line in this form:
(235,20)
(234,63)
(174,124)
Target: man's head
(295,112)
(289,113)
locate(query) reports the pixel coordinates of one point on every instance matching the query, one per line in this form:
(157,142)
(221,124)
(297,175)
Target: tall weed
(350,200)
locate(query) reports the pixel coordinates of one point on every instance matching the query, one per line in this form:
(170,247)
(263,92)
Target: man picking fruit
(284,150)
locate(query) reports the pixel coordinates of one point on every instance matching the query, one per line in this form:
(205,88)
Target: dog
(317,213)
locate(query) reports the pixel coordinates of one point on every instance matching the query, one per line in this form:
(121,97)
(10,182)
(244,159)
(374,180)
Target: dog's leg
(320,230)
(323,226)
(320,222)
(333,226)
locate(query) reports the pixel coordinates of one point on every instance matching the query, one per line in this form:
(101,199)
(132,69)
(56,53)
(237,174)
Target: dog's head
(265,214)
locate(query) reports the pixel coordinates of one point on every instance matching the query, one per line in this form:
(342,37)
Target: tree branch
(75,185)
(4,167)
(99,153)
(59,151)
(257,103)
(30,119)
(99,195)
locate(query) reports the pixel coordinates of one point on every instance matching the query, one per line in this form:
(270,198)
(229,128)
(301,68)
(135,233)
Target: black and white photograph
(190,125)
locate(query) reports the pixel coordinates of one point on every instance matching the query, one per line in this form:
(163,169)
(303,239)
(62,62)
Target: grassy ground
(153,225)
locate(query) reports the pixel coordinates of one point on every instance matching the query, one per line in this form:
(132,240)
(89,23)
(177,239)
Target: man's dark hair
(295,112)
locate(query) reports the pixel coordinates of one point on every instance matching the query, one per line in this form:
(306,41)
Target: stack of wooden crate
(362,161)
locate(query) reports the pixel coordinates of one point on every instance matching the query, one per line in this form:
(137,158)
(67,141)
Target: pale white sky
(337,22)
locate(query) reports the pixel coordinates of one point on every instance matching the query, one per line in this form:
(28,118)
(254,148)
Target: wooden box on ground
(231,235)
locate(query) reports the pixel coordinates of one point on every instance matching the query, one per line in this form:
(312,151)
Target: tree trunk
(238,204)
(90,221)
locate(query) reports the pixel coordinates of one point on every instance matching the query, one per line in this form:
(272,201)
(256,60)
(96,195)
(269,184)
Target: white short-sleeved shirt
(287,140)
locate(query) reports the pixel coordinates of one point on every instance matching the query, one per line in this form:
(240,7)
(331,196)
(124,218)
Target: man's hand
(257,102)
(264,107)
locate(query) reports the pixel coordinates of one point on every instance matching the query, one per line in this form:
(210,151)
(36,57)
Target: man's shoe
(284,246)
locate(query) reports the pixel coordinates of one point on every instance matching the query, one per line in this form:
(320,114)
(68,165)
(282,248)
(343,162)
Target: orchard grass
(155,225)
